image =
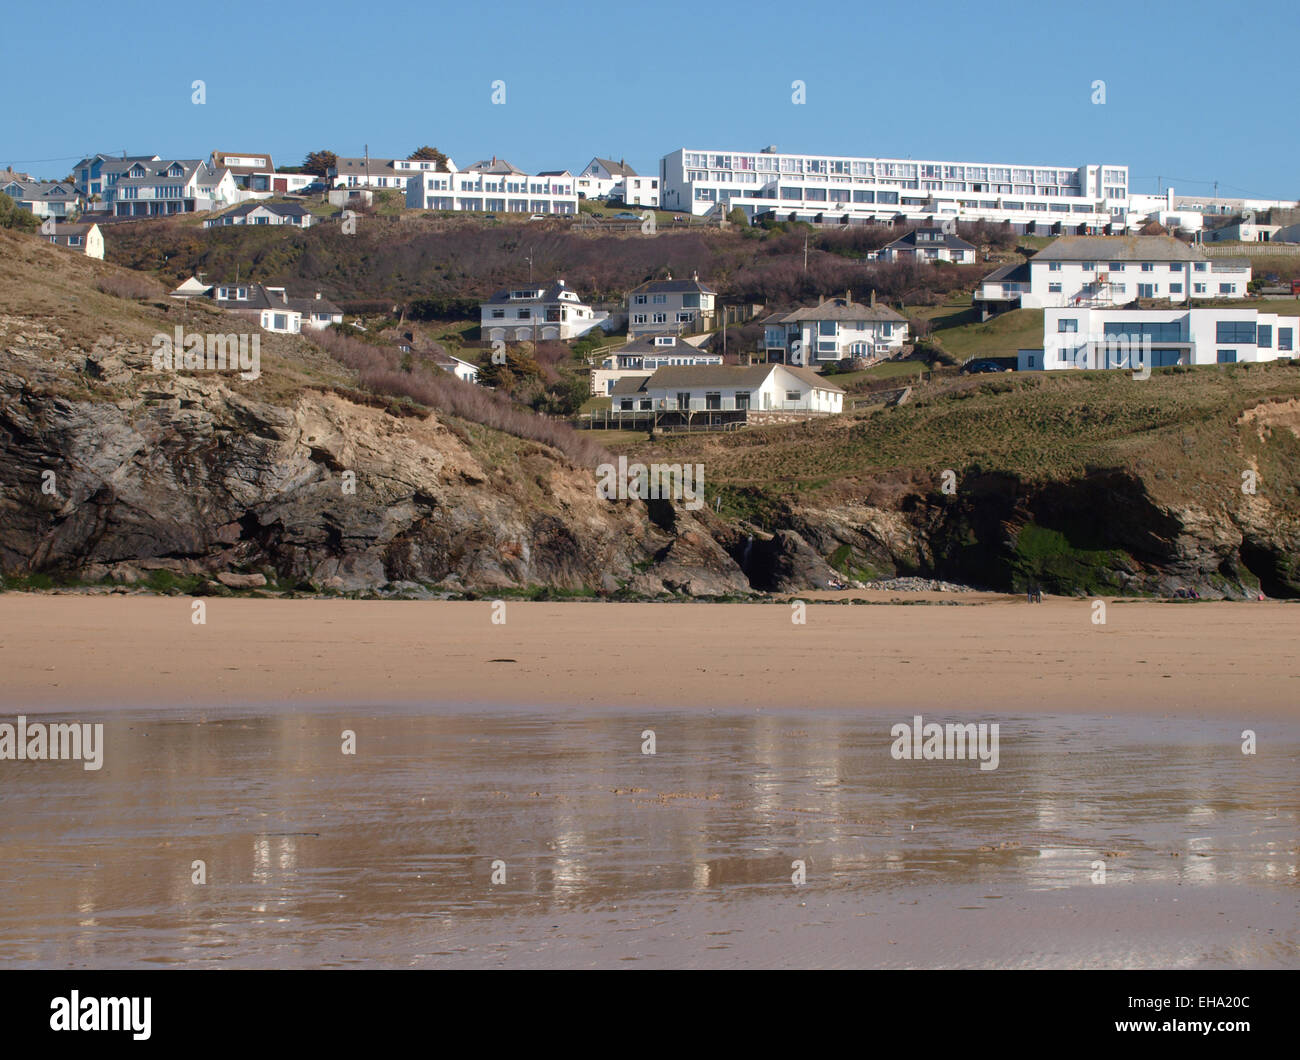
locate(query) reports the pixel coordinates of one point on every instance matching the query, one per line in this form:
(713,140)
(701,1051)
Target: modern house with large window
(670,307)
(832,330)
(847,189)
(1114,270)
(1159,338)
(536,314)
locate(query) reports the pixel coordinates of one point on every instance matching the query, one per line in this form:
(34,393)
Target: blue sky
(1199,96)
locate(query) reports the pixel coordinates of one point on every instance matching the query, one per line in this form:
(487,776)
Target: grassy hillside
(1179,429)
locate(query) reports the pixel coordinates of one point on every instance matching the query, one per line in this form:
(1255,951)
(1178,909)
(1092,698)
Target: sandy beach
(963,652)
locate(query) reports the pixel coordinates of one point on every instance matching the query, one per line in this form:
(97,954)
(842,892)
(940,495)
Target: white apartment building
(1137,338)
(845,189)
(832,330)
(529,313)
(1114,270)
(494,187)
(381,172)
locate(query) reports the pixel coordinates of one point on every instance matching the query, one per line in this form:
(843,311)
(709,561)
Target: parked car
(977,367)
(538,217)
(625,216)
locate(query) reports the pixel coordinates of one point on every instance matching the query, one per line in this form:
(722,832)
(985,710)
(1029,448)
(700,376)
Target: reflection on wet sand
(313,857)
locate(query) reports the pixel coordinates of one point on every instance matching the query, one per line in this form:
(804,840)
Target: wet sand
(613,858)
(522,743)
(965,652)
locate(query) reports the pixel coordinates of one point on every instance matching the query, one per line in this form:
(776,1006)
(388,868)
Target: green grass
(903,371)
(961,333)
(1177,429)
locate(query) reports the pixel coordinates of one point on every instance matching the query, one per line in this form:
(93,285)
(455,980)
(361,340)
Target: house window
(1227,288)
(639,299)
(1176,266)
(1031,361)
(713,400)
(1116,266)
(1198,288)
(1264,336)
(1070,324)
(1147,290)
(1053,266)
(1227,357)
(661,299)
(1148,267)
(742,399)
(792,397)
(1089,266)
(638,318)
(498,314)
(685,317)
(1200,266)
(1284,339)
(525,314)
(1175,288)
(1054,288)
(683,399)
(1235,331)
(661,318)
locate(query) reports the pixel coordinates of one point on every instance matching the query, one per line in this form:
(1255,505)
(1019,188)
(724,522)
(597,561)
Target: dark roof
(1015,272)
(260,298)
(949,240)
(627,385)
(495,165)
(1118,248)
(616,169)
(672,287)
(548,294)
(843,309)
(72,230)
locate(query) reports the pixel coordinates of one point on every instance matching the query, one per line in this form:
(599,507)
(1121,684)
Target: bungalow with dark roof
(264,213)
(723,394)
(929,245)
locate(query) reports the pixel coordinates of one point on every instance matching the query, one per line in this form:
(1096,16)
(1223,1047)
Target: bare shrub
(130,285)
(379,369)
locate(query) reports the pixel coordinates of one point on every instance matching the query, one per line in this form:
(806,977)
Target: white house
(600,177)
(1116,270)
(642,357)
(494,186)
(744,392)
(263,213)
(83,238)
(846,189)
(670,305)
(1088,337)
(382,172)
(531,313)
(272,307)
(834,329)
(928,244)
(460,369)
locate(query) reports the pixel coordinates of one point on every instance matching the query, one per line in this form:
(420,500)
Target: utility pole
(805,252)
(367,165)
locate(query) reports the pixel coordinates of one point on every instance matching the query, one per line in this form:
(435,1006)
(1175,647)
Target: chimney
(873,298)
(821,299)
(695,276)
(848,296)
(318,296)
